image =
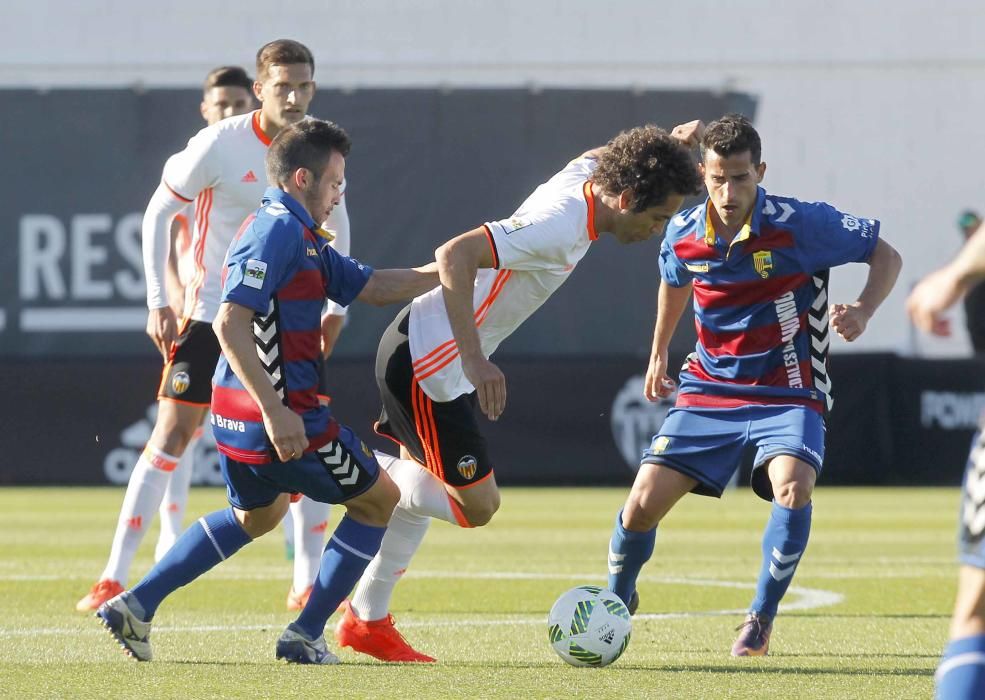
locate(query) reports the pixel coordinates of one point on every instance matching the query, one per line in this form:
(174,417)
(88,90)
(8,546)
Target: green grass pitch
(866,618)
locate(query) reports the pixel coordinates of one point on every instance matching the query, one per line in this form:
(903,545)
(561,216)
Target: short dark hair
(650,163)
(307,144)
(282,52)
(731,135)
(227,76)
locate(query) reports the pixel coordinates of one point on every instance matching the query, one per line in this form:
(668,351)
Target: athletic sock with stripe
(349,550)
(784,542)
(210,540)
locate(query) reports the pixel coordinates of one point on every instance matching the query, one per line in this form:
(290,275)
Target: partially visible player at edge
(221,171)
(274,436)
(757,265)
(432,365)
(228,92)
(961,673)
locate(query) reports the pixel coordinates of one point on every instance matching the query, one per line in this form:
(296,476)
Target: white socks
(310,520)
(175,502)
(145,490)
(420,492)
(405,532)
(422,497)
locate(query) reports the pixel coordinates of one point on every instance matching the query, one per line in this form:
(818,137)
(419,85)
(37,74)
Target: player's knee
(260,521)
(375,506)
(793,494)
(637,517)
(482,512)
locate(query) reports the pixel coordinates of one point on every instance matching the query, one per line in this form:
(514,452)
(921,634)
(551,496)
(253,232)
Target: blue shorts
(707,444)
(342,469)
(972,515)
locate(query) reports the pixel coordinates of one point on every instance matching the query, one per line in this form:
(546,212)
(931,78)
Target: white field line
(803,599)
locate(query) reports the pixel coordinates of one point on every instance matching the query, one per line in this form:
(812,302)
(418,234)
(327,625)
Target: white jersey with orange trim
(221,174)
(534,251)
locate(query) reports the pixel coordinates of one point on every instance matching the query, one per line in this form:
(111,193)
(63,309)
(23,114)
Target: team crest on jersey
(762,260)
(180,382)
(256,271)
(467,466)
(660,444)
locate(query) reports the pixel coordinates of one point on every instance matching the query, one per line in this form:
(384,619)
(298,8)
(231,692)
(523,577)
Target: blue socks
(628,552)
(784,541)
(212,539)
(349,550)
(961,673)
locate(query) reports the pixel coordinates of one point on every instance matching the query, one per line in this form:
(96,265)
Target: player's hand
(689,134)
(848,320)
(489,383)
(657,384)
(162,327)
(936,293)
(285,428)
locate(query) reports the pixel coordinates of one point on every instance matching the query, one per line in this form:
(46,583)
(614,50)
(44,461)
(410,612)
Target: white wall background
(875,106)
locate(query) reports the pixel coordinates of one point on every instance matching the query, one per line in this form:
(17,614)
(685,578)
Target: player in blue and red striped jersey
(757,266)
(274,436)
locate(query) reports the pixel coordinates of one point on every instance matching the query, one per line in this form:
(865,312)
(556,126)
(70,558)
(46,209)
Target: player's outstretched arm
(942,288)
(233,327)
(849,320)
(671,303)
(458,261)
(390,286)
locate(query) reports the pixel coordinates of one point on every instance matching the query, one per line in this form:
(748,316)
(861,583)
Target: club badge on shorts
(180,382)
(467,466)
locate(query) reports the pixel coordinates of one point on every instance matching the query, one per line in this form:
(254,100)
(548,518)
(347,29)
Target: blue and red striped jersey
(761,303)
(280,268)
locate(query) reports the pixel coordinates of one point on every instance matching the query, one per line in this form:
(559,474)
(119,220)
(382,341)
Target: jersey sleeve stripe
(492,245)
(176,195)
(590,201)
(480,314)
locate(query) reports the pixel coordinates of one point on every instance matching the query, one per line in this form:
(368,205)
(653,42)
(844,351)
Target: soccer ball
(589,626)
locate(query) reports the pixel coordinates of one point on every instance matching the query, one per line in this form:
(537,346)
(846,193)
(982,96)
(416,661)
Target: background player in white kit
(221,172)
(432,365)
(228,92)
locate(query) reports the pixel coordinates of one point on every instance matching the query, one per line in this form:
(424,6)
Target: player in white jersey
(432,365)
(961,671)
(227,92)
(221,172)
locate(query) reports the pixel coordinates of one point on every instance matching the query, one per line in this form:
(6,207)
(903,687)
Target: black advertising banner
(426,165)
(567,421)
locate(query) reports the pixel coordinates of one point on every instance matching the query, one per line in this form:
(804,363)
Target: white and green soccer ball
(589,626)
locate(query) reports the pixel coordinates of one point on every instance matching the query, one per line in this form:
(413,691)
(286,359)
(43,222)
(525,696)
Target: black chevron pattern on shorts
(266,335)
(973,493)
(817,326)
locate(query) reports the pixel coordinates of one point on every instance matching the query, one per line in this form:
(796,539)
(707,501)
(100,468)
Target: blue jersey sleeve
(261,261)
(672,270)
(345,276)
(830,238)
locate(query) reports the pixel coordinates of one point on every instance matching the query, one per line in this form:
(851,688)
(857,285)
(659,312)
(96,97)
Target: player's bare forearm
(671,303)
(884,268)
(458,262)
(331,328)
(390,286)
(969,265)
(233,327)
